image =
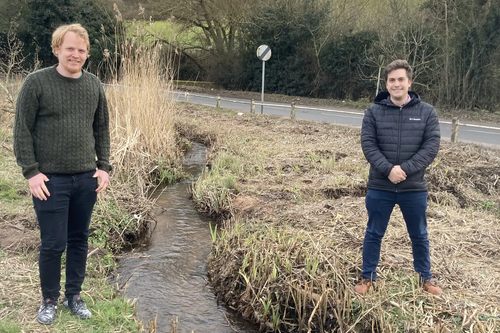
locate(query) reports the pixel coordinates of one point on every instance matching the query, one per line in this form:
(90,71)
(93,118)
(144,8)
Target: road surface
(488,135)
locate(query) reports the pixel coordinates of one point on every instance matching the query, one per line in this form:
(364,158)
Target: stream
(168,275)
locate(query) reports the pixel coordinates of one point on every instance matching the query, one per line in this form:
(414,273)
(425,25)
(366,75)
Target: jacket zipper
(399,137)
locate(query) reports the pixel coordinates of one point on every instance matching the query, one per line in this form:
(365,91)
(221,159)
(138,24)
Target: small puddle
(169,275)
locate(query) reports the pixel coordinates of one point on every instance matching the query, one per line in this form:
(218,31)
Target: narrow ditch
(168,275)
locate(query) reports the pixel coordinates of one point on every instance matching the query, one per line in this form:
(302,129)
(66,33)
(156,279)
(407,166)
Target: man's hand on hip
(37,186)
(397,175)
(103,180)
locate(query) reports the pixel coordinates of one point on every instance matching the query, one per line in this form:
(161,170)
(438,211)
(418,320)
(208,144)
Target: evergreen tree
(44,16)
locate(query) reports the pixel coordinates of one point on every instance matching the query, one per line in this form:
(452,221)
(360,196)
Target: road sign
(264,52)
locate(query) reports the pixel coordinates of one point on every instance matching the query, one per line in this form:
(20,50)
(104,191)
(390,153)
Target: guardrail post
(292,112)
(454,129)
(217,104)
(252,107)
(187,97)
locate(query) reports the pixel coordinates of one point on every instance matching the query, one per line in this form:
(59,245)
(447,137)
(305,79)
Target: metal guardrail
(455,123)
(471,125)
(218,98)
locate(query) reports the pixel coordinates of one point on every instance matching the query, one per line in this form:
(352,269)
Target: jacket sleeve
(101,132)
(370,146)
(429,148)
(24,125)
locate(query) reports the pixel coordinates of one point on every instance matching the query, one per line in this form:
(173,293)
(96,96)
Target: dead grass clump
(291,261)
(214,195)
(8,94)
(144,148)
(467,172)
(18,278)
(142,112)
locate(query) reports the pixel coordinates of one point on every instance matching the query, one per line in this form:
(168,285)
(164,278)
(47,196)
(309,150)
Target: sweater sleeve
(370,146)
(429,148)
(101,132)
(27,106)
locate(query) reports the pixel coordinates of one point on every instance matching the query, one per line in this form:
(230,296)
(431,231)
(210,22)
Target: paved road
(488,135)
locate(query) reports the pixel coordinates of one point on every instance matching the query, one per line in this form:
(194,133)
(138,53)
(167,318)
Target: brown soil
(15,239)
(243,205)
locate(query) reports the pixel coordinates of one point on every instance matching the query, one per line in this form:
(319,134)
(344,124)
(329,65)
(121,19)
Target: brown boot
(363,287)
(432,288)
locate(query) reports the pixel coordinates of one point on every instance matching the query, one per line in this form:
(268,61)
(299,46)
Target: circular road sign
(264,52)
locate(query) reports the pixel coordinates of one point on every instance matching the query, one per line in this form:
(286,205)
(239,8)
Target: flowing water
(169,276)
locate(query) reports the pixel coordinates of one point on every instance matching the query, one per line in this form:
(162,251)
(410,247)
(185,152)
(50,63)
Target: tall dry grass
(9,88)
(142,113)
(143,136)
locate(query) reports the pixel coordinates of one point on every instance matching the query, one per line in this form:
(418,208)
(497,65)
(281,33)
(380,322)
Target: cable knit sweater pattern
(61,124)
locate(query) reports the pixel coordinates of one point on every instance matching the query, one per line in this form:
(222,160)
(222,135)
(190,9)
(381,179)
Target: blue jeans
(64,220)
(379,205)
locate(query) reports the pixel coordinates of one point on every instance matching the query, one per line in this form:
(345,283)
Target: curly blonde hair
(58,35)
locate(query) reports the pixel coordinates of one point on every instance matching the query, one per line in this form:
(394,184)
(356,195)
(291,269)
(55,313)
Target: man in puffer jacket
(400,139)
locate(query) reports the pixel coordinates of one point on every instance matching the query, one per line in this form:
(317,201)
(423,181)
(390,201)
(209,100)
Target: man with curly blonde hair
(62,143)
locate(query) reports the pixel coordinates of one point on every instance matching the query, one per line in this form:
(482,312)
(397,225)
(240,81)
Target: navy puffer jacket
(408,136)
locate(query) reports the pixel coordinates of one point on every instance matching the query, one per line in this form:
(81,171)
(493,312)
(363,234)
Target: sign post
(264,54)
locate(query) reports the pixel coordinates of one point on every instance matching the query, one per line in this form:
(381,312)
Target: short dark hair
(398,64)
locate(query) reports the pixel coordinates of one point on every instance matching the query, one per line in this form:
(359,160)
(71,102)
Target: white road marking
(483,132)
(340,115)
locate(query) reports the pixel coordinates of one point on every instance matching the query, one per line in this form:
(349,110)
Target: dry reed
(143,136)
(142,111)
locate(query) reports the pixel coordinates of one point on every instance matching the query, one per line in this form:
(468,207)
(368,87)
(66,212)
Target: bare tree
(407,35)
(213,24)
(12,64)
(469,42)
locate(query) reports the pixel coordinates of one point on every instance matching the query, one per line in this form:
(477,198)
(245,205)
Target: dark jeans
(379,205)
(64,220)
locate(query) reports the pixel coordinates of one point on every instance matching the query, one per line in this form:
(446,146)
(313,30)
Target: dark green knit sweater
(61,124)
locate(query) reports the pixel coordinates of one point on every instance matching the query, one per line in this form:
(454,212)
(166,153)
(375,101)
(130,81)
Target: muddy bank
(291,198)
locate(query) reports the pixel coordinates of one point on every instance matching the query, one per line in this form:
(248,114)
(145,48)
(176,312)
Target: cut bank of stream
(169,275)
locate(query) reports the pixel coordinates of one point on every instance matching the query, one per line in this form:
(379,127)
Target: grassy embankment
(288,252)
(143,151)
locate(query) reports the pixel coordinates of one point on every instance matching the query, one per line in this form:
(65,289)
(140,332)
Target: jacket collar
(384,98)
